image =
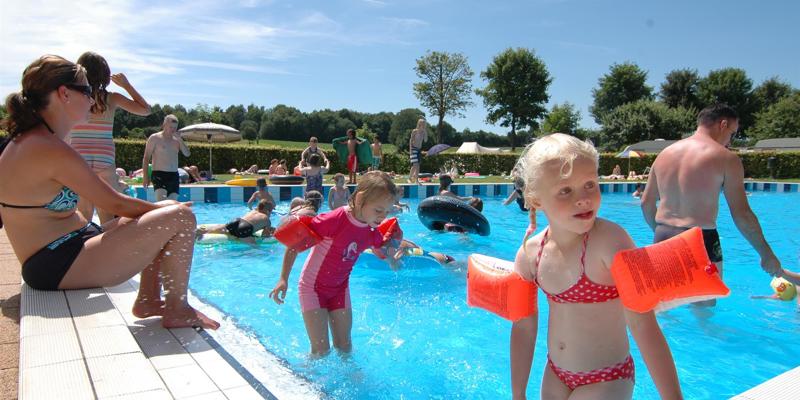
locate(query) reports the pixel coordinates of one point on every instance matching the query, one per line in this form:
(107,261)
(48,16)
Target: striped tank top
(94,140)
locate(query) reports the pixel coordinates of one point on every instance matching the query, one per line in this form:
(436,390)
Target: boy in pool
(339,195)
(408,247)
(244,228)
(260,194)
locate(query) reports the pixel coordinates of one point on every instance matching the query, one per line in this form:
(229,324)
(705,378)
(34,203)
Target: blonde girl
(588,351)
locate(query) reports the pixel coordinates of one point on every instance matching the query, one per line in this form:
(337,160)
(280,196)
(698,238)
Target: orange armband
(493,285)
(392,237)
(667,274)
(296,234)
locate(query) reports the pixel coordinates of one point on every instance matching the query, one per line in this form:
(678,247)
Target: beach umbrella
(210,132)
(628,153)
(437,149)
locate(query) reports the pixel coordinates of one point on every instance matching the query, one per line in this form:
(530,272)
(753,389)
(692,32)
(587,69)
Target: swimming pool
(415,337)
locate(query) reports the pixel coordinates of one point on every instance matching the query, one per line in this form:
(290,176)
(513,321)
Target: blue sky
(360,54)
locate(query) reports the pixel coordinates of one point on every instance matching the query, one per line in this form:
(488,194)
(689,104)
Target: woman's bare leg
(159,243)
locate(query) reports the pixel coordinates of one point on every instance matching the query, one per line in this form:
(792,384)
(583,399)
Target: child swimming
(588,350)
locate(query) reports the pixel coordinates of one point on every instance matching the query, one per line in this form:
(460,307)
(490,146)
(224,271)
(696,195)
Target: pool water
(414,336)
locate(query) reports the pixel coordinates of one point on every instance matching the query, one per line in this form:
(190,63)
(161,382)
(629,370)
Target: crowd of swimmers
(64,114)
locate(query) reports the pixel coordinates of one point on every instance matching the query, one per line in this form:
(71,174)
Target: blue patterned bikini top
(65,200)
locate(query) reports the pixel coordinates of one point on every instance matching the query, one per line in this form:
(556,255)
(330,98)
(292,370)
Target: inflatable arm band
(493,285)
(390,229)
(668,274)
(296,233)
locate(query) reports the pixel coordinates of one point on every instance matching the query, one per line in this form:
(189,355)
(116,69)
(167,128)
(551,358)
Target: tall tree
(625,83)
(680,89)
(563,118)
(770,92)
(446,85)
(249,130)
(644,120)
(403,123)
(781,119)
(516,93)
(732,87)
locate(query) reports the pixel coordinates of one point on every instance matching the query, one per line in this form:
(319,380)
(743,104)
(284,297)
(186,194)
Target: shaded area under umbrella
(628,153)
(210,132)
(437,149)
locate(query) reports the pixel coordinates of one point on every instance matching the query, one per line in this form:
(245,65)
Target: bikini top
(584,290)
(65,200)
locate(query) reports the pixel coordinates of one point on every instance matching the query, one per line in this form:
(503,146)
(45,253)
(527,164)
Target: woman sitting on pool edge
(58,248)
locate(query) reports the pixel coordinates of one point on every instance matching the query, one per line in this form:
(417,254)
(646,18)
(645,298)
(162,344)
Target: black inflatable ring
(434,212)
(286,180)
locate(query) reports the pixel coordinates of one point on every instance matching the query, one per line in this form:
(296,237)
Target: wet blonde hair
(373,185)
(421,123)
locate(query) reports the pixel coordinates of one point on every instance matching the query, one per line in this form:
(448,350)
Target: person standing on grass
(163,147)
(94,139)
(377,154)
(418,137)
(352,158)
(311,149)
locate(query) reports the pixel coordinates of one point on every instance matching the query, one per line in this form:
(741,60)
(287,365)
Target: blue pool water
(414,336)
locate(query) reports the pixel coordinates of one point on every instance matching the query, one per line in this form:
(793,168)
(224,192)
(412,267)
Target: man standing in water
(687,178)
(163,148)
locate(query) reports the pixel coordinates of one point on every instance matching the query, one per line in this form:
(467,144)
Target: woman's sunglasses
(85,89)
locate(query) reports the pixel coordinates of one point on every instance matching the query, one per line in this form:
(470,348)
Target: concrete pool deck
(86,344)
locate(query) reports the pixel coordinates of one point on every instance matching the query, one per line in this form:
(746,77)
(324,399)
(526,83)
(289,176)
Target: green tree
(516,93)
(625,83)
(562,118)
(781,119)
(234,115)
(381,123)
(249,130)
(680,89)
(365,132)
(403,123)
(770,92)
(446,84)
(732,87)
(282,123)
(644,120)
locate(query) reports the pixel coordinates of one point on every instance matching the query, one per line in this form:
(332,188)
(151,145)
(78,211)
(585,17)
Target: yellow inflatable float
(784,289)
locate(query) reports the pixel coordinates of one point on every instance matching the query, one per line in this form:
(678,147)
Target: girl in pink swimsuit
(588,350)
(324,283)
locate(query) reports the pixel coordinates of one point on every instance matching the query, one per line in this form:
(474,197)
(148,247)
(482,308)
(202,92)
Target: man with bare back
(685,182)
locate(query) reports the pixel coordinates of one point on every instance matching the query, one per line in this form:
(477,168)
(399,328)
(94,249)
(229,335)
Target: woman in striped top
(94,139)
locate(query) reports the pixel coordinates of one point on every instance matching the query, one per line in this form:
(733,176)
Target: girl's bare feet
(187,317)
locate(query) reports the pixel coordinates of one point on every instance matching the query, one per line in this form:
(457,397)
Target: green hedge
(129,156)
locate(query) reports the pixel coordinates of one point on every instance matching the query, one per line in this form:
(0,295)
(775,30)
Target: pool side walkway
(85,344)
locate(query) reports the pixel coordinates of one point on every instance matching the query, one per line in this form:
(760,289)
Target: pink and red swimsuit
(585,291)
(324,282)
